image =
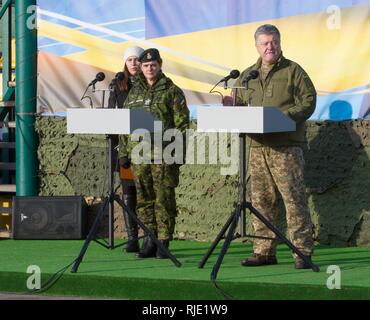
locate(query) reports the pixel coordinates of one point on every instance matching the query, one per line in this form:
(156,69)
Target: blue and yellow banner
(200,42)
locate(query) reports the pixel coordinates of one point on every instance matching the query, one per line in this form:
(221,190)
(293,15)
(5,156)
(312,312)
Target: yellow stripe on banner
(101,53)
(108,55)
(335,59)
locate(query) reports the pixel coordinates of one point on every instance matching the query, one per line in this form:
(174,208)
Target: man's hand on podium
(227,101)
(125,162)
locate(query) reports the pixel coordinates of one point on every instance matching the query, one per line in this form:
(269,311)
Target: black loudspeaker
(57,217)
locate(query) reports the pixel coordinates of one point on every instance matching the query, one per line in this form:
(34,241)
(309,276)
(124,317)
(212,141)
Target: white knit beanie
(132,51)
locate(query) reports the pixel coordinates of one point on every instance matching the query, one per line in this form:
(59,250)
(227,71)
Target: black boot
(160,254)
(301,264)
(257,260)
(148,249)
(129,199)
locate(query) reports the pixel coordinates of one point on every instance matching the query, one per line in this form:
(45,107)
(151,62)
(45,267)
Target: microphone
(119,77)
(99,77)
(233,75)
(252,75)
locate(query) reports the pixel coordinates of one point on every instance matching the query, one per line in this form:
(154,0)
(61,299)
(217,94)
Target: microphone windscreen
(234,74)
(100,76)
(120,76)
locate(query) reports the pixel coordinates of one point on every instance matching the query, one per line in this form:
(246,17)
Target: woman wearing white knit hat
(131,68)
(116,99)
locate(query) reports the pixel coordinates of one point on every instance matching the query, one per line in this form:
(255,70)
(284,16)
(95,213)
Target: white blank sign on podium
(108,121)
(243,120)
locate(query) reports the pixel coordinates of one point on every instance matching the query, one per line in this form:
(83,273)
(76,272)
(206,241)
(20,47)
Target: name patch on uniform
(135,101)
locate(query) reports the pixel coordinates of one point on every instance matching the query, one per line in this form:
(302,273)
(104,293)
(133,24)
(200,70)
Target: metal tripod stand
(109,200)
(239,215)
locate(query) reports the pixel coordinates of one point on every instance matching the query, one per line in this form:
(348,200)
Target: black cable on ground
(223,292)
(52,280)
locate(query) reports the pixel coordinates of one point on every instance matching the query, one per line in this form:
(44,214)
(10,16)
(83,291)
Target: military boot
(160,254)
(301,264)
(131,225)
(132,234)
(258,260)
(148,249)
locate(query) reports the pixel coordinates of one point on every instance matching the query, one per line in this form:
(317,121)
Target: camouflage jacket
(164,100)
(286,87)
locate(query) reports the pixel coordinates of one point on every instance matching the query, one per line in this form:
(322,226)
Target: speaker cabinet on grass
(56,217)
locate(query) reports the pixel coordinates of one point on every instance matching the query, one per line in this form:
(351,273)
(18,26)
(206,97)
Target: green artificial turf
(112,273)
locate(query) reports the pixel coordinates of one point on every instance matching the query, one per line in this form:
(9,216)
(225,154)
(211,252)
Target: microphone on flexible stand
(253,74)
(99,77)
(233,75)
(119,77)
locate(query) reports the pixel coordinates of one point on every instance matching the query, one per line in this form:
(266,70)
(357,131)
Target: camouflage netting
(337,178)
(70,164)
(74,165)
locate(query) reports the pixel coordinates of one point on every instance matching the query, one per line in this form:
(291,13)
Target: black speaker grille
(58,217)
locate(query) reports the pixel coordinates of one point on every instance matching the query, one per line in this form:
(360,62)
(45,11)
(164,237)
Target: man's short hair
(267,29)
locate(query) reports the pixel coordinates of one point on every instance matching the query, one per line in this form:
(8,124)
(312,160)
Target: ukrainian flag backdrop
(200,42)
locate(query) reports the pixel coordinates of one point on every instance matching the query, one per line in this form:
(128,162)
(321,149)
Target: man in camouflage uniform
(276,159)
(156,183)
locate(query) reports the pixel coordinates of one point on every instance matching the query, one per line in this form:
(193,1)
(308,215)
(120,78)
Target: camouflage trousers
(156,202)
(273,170)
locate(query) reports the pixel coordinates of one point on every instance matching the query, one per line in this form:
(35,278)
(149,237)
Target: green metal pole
(25,95)
(6,22)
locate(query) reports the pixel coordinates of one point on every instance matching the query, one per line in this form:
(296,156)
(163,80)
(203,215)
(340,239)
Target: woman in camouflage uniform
(156,183)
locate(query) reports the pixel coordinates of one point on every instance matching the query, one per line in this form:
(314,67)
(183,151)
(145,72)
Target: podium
(244,120)
(108,121)
(111,122)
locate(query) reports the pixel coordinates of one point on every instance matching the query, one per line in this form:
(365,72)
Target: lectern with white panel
(244,120)
(112,122)
(108,121)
